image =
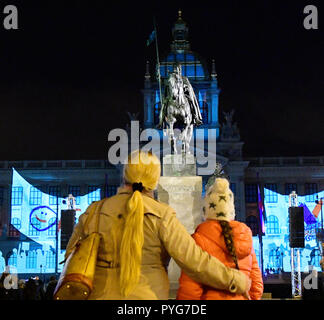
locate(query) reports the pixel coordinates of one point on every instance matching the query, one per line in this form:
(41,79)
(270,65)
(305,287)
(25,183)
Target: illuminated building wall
(34,214)
(277,178)
(28,237)
(276,249)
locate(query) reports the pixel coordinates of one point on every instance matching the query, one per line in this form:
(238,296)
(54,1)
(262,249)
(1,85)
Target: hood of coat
(242,236)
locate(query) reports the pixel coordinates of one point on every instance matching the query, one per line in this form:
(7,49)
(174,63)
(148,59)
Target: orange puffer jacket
(209,237)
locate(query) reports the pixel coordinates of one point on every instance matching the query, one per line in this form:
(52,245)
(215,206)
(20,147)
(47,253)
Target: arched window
(273,225)
(50,260)
(52,229)
(252,223)
(31,260)
(12,259)
(191,66)
(32,227)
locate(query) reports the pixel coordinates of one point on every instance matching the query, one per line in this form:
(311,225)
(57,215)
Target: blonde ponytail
(131,244)
(143,168)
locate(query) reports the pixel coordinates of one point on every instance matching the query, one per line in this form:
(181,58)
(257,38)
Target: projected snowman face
(41,216)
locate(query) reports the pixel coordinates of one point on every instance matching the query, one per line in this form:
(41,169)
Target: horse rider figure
(180,106)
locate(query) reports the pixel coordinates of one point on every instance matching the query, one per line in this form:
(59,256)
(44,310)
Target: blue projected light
(37,220)
(180,57)
(276,249)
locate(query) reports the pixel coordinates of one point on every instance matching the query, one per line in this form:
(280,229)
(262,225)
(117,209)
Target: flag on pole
(262,215)
(151,38)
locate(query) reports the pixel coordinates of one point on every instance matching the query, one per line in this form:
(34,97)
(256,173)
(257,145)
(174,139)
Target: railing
(286,161)
(55,164)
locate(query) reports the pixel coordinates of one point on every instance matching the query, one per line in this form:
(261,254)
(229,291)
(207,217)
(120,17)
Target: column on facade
(236,171)
(214,91)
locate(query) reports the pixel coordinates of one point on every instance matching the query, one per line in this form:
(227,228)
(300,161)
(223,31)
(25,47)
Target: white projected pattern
(38,222)
(276,249)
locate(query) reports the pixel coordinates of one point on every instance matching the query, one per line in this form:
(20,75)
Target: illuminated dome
(192,65)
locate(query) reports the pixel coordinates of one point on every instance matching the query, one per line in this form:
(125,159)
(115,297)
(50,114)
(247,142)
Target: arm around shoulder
(196,263)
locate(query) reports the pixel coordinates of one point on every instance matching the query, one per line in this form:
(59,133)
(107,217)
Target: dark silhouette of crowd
(31,289)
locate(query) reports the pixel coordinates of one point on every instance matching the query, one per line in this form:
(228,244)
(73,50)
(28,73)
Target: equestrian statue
(180,109)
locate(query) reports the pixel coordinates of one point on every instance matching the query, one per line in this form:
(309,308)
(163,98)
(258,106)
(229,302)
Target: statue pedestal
(183,194)
(179,165)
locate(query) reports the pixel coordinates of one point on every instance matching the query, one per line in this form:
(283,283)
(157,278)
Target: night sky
(74,68)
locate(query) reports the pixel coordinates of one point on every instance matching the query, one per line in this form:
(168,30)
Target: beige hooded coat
(164,236)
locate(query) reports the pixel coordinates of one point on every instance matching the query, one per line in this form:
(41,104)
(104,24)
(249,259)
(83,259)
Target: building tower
(193,67)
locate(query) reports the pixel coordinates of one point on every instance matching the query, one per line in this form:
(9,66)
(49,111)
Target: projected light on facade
(276,249)
(34,214)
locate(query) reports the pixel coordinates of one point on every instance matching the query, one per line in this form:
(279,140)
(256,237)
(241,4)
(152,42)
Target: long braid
(227,233)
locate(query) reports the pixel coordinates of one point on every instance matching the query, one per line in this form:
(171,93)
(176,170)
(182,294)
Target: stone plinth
(183,194)
(179,165)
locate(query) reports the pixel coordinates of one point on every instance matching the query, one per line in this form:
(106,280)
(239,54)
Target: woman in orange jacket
(229,241)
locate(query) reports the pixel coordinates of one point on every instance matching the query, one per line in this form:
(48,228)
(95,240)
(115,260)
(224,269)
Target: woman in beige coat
(139,234)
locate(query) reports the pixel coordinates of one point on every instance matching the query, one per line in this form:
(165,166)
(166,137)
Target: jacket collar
(149,206)
(127,189)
